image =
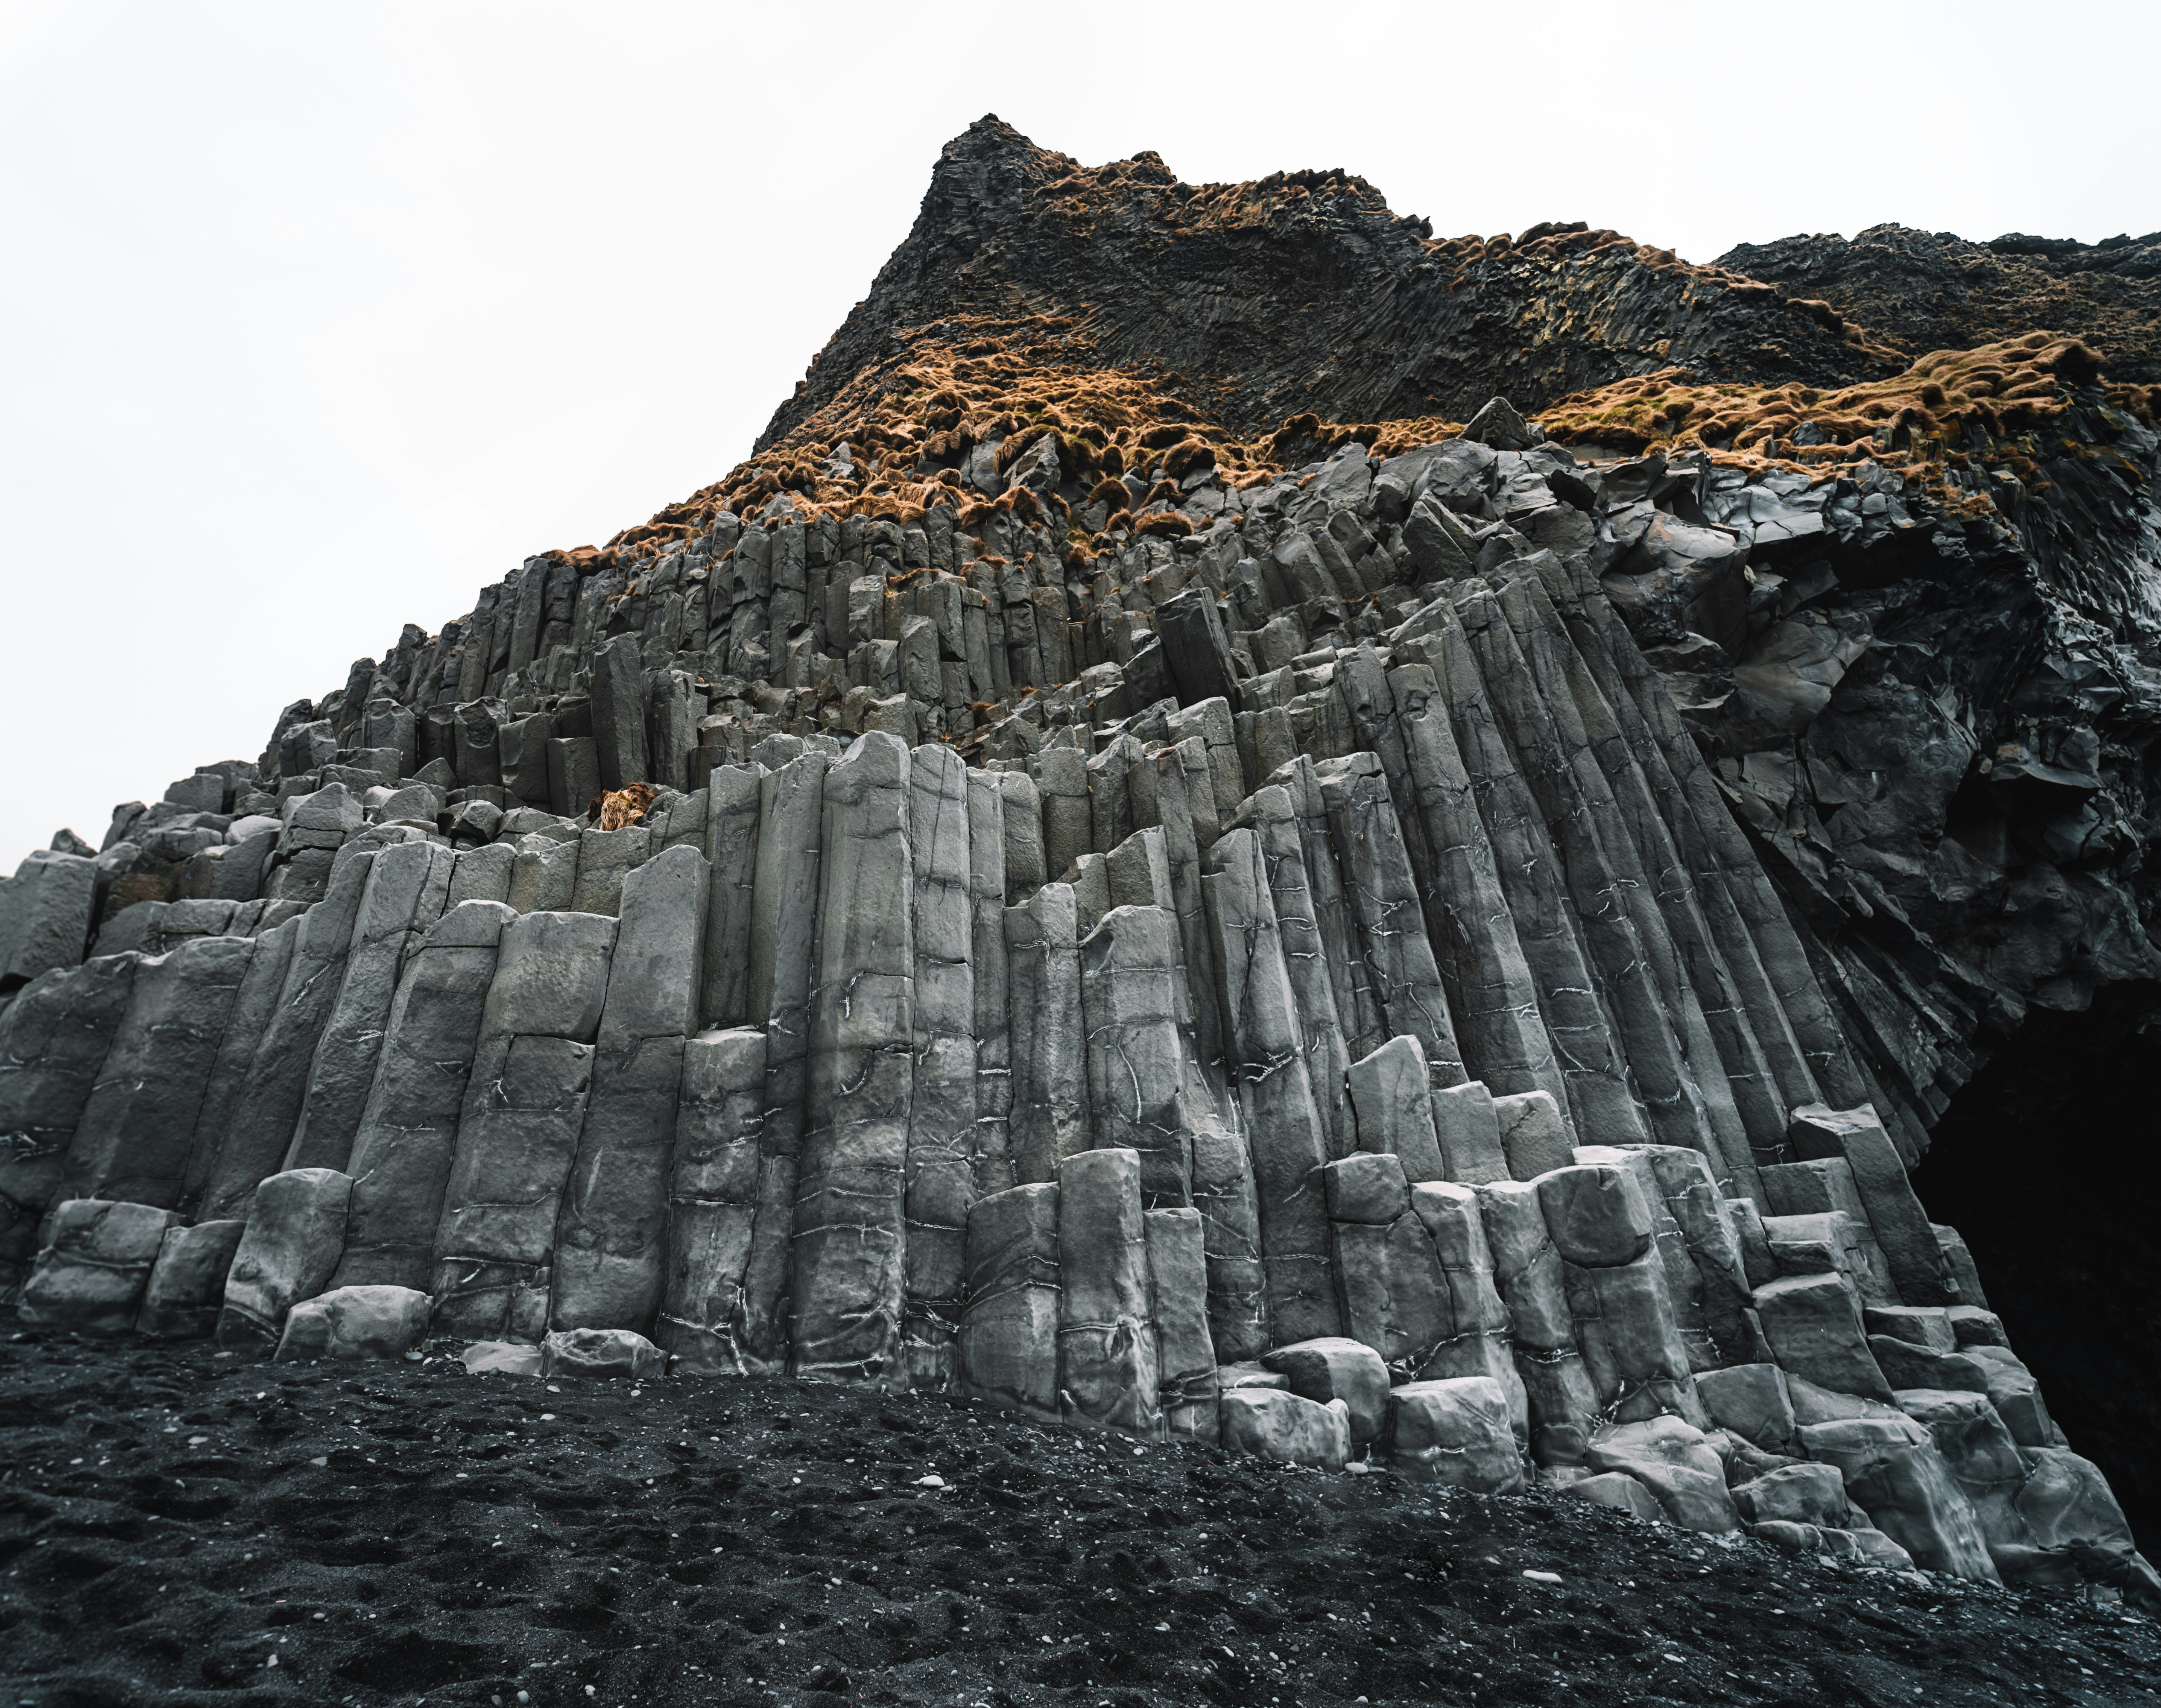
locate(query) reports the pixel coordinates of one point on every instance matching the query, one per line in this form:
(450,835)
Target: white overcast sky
(317,317)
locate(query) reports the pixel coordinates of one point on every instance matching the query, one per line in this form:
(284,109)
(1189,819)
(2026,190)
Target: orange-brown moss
(2001,389)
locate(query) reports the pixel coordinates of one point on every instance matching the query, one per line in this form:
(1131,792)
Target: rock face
(1399,940)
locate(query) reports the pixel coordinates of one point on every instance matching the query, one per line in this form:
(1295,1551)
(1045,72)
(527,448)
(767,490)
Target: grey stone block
(519,1127)
(1333,1367)
(1009,1327)
(1050,1116)
(574,774)
(45,915)
(1288,1428)
(407,886)
(403,1148)
(1794,1494)
(602,1352)
(544,876)
(1529,1276)
(1107,1363)
(609,1262)
(1751,1402)
(355,1322)
(1618,1489)
(1815,1327)
(1393,1099)
(1534,1136)
(731,842)
(618,714)
(1468,1126)
(1917,1264)
(1596,1213)
(295,1233)
(137,1137)
(482,874)
(1894,1473)
(186,1288)
(1258,1009)
(1178,1303)
(939,1179)
(605,858)
(53,1038)
(91,1276)
(267,1105)
(1456,1432)
(1672,1459)
(713,1200)
(1906,1365)
(1987,1466)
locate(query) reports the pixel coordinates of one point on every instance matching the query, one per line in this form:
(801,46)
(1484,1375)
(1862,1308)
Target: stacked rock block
(1294,983)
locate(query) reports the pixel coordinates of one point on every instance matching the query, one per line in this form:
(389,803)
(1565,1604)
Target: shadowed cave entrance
(2041,1162)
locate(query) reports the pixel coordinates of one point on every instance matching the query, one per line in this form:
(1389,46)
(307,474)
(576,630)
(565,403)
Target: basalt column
(850,1229)
(941,1129)
(782,941)
(524,1109)
(402,1153)
(610,1259)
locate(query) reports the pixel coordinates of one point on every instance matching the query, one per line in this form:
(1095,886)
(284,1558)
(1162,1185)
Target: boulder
(186,1288)
(2068,1511)
(1894,1473)
(1616,1488)
(1985,1463)
(1866,1545)
(1794,1494)
(501,1357)
(1458,1431)
(295,1235)
(91,1273)
(600,1352)
(355,1322)
(1752,1401)
(1332,1368)
(1285,1427)
(1675,1461)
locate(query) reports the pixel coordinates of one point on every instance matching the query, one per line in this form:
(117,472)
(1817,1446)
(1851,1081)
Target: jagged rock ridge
(1408,954)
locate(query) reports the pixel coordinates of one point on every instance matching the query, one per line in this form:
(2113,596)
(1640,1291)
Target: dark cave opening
(2040,1162)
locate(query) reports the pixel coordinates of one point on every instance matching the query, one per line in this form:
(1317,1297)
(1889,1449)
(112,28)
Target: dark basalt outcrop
(1303,292)
(1919,291)
(1161,856)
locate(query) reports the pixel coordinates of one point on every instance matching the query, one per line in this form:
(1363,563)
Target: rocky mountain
(1245,825)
